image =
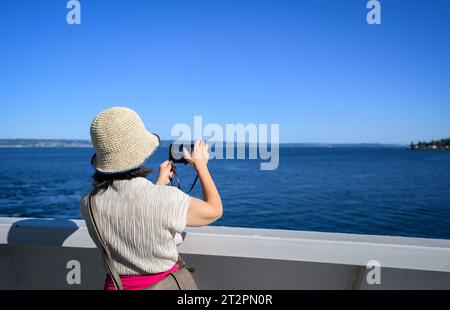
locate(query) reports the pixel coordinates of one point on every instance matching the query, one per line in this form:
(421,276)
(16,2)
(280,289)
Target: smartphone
(176,152)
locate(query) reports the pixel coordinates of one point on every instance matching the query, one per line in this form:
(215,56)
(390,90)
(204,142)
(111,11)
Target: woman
(138,220)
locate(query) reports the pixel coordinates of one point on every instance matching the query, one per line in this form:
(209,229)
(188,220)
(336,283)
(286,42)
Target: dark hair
(102,181)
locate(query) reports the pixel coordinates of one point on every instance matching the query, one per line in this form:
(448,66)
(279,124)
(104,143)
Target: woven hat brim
(146,149)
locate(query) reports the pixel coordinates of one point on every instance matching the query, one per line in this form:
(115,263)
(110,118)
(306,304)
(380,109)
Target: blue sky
(315,67)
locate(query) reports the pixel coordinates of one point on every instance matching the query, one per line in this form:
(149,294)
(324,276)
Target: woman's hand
(166,170)
(199,156)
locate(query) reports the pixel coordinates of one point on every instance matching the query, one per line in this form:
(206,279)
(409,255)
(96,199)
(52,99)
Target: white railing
(296,248)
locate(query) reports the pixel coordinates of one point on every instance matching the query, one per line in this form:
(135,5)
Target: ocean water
(376,190)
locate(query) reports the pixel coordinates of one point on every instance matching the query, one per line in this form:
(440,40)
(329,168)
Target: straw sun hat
(121,142)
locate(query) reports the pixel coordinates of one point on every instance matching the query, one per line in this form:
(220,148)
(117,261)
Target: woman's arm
(208,210)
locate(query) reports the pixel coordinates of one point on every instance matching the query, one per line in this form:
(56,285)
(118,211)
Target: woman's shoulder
(168,195)
(145,187)
(138,182)
(167,190)
(134,185)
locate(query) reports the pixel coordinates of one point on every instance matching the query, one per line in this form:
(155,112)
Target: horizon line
(247,142)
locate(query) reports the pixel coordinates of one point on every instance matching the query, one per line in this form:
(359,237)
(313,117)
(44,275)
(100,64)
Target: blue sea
(364,190)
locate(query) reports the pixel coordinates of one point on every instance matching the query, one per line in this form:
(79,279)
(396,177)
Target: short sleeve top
(140,222)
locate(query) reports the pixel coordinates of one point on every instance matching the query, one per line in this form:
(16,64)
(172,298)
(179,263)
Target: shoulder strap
(106,254)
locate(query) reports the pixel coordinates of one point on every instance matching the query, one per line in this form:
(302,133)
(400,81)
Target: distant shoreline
(43,146)
(19,143)
(68,143)
(436,145)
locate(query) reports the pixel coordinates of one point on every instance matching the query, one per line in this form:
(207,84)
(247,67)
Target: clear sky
(315,67)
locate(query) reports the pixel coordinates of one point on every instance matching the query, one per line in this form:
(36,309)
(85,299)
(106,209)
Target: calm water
(387,191)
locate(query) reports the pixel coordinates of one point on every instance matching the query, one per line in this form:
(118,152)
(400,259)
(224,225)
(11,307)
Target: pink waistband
(138,282)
